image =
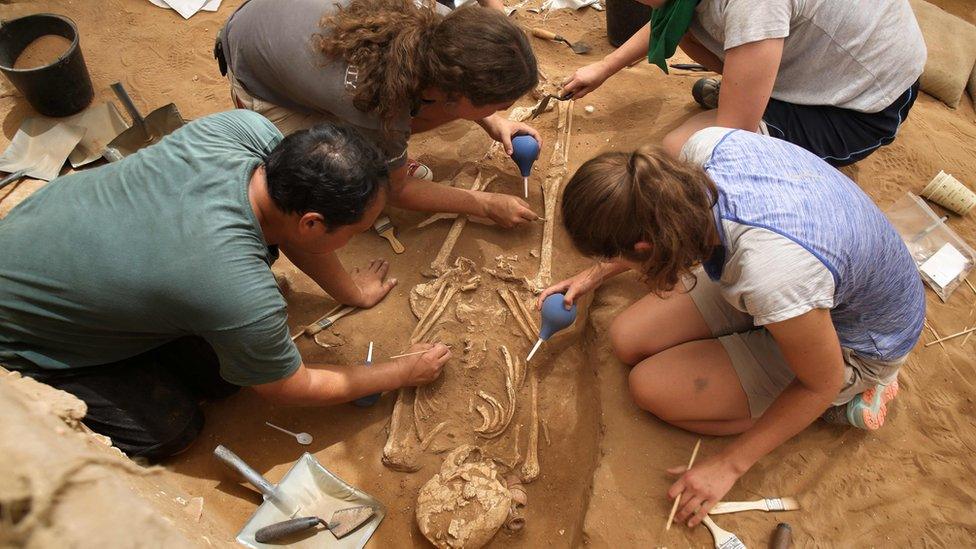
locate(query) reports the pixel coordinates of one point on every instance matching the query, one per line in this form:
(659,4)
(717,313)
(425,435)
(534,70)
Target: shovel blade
(160,123)
(345,521)
(579,48)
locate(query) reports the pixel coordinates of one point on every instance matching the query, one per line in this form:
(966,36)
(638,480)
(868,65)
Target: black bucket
(61,88)
(624,18)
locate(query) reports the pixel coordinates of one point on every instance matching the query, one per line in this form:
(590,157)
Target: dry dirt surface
(603,461)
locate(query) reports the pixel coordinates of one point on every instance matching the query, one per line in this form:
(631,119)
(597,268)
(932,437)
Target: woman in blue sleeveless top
(806,302)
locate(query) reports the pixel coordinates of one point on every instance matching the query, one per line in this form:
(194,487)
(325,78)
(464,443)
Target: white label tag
(944,266)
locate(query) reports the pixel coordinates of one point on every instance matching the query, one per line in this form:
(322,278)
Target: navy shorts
(147,404)
(839,136)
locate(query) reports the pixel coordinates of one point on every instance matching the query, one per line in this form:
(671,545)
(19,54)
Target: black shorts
(147,404)
(839,136)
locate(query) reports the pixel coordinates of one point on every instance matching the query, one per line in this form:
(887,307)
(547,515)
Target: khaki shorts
(287,121)
(758,362)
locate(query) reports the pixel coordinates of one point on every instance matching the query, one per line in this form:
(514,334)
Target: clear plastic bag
(943,258)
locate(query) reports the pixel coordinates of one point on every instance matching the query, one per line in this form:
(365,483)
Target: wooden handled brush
(384,227)
(768,504)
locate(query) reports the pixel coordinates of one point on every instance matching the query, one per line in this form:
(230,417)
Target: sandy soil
(43,51)
(603,479)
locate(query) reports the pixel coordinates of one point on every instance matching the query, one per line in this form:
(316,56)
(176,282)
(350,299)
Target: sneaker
(865,411)
(705,91)
(420,171)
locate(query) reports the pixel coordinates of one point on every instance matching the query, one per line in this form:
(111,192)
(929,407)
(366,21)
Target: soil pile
(42,52)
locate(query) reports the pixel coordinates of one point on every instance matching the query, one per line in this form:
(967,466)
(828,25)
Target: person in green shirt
(145,285)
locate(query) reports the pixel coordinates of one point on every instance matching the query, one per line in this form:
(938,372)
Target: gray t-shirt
(105,264)
(767,275)
(270,47)
(854,55)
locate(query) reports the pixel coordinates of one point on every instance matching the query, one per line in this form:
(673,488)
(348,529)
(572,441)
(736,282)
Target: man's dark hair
(329,169)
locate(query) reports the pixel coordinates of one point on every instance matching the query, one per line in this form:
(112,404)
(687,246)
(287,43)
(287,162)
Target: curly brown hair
(618,199)
(400,49)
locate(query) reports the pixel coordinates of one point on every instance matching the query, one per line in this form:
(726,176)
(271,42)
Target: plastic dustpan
(307,489)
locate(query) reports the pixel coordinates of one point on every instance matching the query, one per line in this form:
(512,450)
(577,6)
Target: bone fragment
(439,265)
(550,193)
(425,443)
(514,305)
(434,303)
(421,330)
(530,467)
(400,451)
(441,216)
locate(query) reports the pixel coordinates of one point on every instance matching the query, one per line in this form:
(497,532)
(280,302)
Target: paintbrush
(677,500)
(723,539)
(328,320)
(768,504)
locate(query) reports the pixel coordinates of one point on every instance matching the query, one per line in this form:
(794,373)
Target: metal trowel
(342,523)
(144,131)
(306,492)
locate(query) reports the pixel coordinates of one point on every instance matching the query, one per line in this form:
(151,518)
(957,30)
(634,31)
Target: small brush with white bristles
(768,504)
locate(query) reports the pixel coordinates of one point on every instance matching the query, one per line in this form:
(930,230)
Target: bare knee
(648,396)
(623,342)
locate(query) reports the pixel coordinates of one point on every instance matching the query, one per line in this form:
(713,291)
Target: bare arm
(363,288)
(411,193)
(588,78)
(328,384)
(747,82)
(494,4)
(810,346)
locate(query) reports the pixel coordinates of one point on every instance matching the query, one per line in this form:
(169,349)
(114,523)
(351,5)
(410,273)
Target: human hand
(506,210)
(575,286)
(423,368)
(587,79)
(372,283)
(503,130)
(702,487)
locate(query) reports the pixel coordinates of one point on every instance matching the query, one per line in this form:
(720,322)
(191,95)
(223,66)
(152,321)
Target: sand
(42,52)
(602,479)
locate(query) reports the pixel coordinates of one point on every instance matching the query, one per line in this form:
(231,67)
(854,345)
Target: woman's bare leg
(654,324)
(693,386)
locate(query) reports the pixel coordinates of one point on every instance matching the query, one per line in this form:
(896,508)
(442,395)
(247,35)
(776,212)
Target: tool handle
(397,246)
(279,530)
(255,478)
(324,323)
(123,96)
(12,178)
(782,537)
(724,507)
(544,34)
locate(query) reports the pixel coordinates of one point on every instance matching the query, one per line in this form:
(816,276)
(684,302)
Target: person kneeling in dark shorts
(155,291)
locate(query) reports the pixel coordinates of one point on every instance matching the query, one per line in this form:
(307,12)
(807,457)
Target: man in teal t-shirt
(144,285)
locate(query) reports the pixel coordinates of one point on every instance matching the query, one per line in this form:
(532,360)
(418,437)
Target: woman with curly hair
(779,293)
(390,68)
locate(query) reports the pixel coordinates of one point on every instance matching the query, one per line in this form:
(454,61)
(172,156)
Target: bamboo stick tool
(677,500)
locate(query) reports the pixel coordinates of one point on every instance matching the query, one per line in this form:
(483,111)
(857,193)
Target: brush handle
(782,537)
(725,507)
(279,530)
(324,323)
(394,242)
